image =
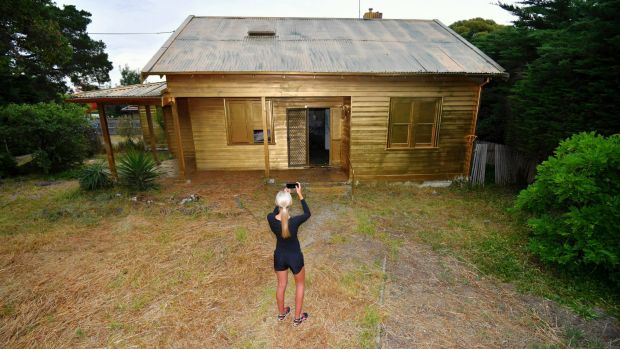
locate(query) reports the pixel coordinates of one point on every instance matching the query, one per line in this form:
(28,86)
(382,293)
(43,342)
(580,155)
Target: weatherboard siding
(369,99)
(213,152)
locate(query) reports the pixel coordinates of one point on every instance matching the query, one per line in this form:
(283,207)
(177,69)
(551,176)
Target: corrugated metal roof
(154,89)
(318,45)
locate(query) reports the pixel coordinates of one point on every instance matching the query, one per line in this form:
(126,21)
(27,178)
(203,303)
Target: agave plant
(95,176)
(138,171)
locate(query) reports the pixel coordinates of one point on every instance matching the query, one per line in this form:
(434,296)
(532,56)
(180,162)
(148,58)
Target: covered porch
(180,137)
(145,95)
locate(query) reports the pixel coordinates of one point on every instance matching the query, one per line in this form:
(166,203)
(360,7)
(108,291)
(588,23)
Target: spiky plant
(138,171)
(95,176)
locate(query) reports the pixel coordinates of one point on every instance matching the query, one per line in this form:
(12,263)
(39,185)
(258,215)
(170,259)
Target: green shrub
(53,133)
(138,171)
(8,166)
(575,203)
(95,176)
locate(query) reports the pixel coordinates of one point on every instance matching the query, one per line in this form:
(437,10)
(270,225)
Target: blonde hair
(283,201)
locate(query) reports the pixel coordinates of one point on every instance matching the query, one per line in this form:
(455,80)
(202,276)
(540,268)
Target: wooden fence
(509,166)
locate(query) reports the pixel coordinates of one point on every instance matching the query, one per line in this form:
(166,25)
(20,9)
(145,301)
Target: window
(414,122)
(244,120)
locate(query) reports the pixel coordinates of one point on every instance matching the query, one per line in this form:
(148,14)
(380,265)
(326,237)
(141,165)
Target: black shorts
(283,260)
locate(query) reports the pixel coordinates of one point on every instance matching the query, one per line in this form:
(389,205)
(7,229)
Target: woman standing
(288,252)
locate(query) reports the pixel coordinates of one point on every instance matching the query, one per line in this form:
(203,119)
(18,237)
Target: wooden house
(376,98)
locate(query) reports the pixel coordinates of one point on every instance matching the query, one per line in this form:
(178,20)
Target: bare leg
(282,281)
(299,291)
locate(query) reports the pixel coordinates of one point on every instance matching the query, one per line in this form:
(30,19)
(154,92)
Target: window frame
(249,121)
(410,144)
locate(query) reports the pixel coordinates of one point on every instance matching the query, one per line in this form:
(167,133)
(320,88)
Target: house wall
(369,103)
(208,121)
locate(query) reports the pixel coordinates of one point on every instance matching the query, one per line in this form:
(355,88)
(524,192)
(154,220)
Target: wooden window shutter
(238,128)
(244,118)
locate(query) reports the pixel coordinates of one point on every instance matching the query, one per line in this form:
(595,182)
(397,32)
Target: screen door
(297,129)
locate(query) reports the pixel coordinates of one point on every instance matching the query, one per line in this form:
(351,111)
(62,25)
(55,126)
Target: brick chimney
(373,15)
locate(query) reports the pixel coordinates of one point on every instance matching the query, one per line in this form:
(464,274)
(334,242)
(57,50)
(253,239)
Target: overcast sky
(157,16)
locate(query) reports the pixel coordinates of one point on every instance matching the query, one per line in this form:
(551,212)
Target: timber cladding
(365,135)
(208,120)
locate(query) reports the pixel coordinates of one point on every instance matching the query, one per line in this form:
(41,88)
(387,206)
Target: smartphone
(291,185)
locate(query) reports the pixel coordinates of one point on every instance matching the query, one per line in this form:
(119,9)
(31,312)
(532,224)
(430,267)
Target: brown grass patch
(95,270)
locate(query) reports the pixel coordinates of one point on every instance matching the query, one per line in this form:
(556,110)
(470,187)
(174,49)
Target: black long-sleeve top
(291,243)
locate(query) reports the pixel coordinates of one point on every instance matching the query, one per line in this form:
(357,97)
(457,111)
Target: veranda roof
(150,93)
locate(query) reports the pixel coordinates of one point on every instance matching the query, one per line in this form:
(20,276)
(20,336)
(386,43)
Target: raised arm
(304,217)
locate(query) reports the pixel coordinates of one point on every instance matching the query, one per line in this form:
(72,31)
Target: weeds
(143,263)
(95,176)
(369,323)
(241,234)
(79,333)
(365,225)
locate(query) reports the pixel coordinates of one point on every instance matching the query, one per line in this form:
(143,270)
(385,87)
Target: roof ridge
(325,18)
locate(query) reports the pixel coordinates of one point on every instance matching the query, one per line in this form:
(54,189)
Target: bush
(574,204)
(138,171)
(8,166)
(53,133)
(95,176)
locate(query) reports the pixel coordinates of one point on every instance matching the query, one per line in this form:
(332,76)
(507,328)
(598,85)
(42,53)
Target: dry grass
(95,270)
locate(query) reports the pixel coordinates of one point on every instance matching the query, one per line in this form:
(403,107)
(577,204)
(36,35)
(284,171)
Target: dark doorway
(318,136)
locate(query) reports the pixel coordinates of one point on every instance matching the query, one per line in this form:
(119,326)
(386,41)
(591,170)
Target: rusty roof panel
(319,45)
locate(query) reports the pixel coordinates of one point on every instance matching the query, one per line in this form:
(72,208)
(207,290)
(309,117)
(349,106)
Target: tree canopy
(129,76)
(476,26)
(562,58)
(42,46)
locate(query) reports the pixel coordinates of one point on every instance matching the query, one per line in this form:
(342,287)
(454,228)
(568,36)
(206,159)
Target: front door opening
(318,136)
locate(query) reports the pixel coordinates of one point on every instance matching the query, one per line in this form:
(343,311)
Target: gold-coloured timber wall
(369,102)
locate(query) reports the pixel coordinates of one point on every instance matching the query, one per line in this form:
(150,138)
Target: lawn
(411,267)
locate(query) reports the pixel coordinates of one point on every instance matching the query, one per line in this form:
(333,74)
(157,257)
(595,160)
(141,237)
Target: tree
(476,26)
(129,76)
(57,135)
(564,73)
(544,14)
(506,45)
(571,86)
(42,46)
(512,48)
